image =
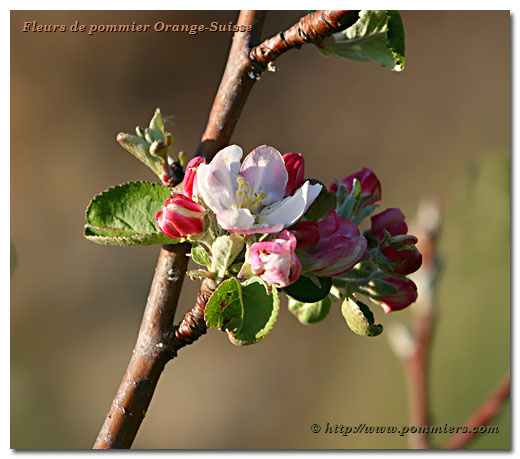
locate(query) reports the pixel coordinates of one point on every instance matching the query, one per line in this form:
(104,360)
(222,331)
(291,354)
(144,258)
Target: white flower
(249,198)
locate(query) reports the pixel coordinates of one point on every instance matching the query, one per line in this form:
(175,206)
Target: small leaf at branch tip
(378,35)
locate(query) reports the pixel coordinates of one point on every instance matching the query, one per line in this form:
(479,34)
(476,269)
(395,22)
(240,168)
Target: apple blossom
(295,165)
(406,294)
(370,185)
(189,184)
(249,198)
(401,252)
(339,248)
(275,261)
(180,217)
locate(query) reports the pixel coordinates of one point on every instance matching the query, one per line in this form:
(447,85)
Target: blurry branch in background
(158,341)
(483,415)
(413,345)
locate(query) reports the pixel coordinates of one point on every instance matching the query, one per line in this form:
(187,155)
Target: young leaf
(360,318)
(246,312)
(310,313)
(124,215)
(378,35)
(150,145)
(306,291)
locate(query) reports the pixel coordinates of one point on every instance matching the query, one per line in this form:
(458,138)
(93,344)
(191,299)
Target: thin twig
(312,28)
(158,341)
(483,415)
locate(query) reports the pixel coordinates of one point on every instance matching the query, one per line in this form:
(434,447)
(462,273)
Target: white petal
(217,181)
(264,169)
(290,209)
(235,219)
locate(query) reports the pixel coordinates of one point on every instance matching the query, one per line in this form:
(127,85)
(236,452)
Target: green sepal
(246,312)
(378,35)
(360,318)
(306,290)
(310,313)
(200,255)
(124,215)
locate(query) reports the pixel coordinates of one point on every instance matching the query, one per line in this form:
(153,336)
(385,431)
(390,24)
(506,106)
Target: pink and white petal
(217,181)
(264,169)
(290,209)
(261,229)
(236,220)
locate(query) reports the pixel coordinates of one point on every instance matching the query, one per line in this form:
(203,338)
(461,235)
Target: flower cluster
(265,219)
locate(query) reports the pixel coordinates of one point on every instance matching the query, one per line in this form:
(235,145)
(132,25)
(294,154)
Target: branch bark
(312,28)
(236,84)
(483,415)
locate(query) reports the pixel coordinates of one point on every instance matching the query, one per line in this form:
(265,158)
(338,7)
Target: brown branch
(237,81)
(483,415)
(158,342)
(312,28)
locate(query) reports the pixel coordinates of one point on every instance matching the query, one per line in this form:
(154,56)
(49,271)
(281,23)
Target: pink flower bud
(406,294)
(275,261)
(391,220)
(306,233)
(180,217)
(370,185)
(295,165)
(189,185)
(404,261)
(339,248)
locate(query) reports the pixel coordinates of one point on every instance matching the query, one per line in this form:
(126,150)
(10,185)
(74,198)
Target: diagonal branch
(312,28)
(483,415)
(158,342)
(234,87)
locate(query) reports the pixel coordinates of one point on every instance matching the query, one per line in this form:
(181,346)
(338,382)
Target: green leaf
(322,205)
(360,318)
(124,215)
(378,35)
(246,312)
(200,255)
(224,250)
(310,313)
(306,291)
(150,145)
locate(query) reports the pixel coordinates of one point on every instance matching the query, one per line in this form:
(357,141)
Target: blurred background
(441,127)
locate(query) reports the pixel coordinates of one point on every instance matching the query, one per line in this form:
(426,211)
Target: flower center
(246,196)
